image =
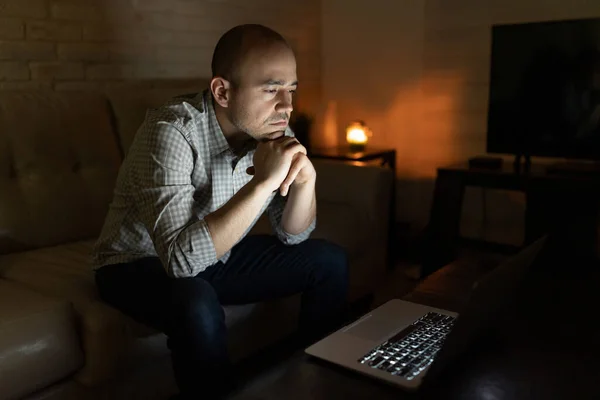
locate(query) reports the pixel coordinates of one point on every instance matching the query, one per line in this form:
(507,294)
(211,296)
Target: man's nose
(284,105)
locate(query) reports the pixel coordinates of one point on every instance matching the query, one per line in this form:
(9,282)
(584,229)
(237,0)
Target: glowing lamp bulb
(357,135)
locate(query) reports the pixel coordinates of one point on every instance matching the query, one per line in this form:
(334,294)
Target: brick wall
(97,44)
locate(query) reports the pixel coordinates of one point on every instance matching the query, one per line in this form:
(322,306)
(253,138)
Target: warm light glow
(427,120)
(357,134)
(330,136)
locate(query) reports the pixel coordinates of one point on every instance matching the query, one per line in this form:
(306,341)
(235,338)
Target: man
(200,172)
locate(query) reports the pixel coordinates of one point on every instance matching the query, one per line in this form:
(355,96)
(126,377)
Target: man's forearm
(301,208)
(228,223)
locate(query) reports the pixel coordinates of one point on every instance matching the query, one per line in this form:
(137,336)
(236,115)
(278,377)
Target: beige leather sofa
(59,157)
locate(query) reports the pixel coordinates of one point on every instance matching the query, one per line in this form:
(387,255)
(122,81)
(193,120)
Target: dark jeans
(189,310)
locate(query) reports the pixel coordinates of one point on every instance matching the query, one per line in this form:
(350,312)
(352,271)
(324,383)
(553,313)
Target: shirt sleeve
(275,212)
(165,195)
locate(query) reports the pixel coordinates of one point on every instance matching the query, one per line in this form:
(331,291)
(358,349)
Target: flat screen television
(544,97)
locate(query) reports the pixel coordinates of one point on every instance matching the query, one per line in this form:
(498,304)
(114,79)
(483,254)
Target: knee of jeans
(330,258)
(195,304)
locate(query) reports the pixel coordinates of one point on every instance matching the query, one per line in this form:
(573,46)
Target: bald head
(237,44)
(253,84)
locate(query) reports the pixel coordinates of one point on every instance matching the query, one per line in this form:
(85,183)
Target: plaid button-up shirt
(179,169)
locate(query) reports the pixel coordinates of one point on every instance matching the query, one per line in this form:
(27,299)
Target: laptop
(402,343)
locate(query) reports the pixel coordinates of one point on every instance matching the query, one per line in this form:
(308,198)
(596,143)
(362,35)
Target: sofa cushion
(58,163)
(113,341)
(61,271)
(38,340)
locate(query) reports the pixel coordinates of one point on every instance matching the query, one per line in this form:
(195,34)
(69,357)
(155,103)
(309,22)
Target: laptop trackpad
(372,327)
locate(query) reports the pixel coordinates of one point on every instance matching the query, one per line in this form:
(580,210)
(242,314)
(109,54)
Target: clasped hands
(281,163)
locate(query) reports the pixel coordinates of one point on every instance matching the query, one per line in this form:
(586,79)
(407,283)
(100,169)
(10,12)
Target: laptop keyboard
(410,351)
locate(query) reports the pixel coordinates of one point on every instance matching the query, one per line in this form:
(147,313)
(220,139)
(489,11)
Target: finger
(297,165)
(250,170)
(295,148)
(287,141)
(284,141)
(289,144)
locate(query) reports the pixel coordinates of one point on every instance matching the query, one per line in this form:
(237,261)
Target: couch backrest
(58,163)
(59,158)
(130,106)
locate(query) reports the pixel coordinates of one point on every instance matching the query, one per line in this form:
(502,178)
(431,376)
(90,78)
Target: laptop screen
(487,300)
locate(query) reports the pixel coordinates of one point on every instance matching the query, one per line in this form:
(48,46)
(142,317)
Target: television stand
(563,204)
(574,168)
(518,165)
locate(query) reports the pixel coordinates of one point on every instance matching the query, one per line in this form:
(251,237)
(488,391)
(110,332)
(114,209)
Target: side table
(387,158)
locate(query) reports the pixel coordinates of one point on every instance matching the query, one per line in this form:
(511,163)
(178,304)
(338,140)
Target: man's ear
(221,90)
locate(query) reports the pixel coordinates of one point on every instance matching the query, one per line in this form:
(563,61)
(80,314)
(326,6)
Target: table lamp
(357,136)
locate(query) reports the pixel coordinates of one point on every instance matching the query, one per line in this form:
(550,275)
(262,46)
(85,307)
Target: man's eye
(293,91)
(271,91)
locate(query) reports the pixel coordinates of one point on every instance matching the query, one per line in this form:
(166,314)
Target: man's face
(261,99)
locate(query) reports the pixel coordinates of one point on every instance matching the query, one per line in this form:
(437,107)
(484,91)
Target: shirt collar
(216,139)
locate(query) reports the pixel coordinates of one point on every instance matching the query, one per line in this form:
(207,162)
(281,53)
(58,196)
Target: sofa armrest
(353,206)
(352,211)
(366,189)
(348,196)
